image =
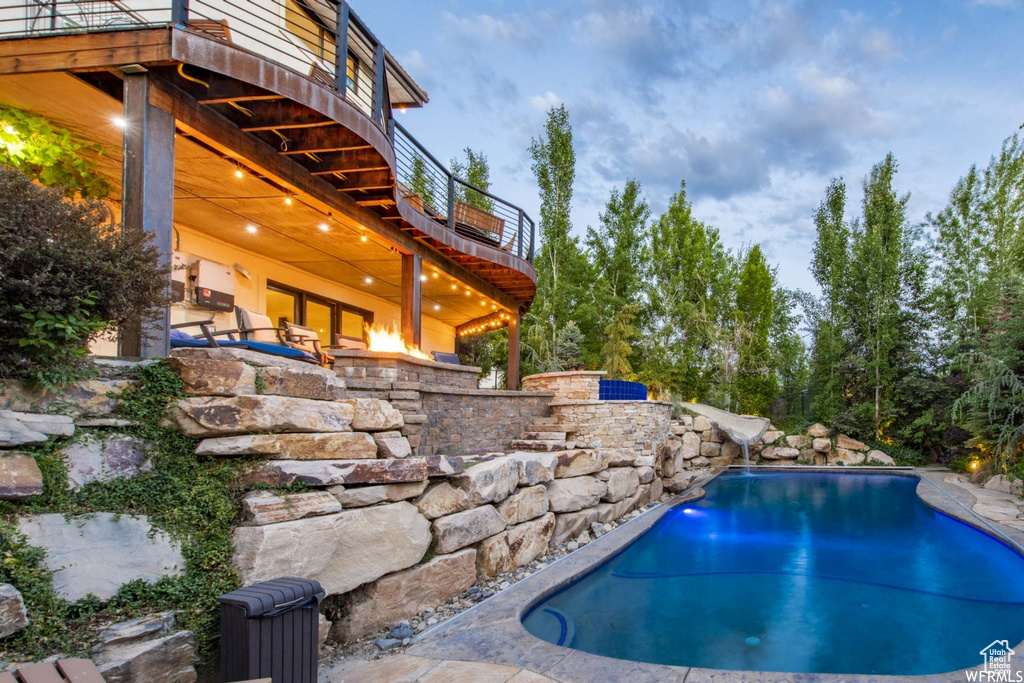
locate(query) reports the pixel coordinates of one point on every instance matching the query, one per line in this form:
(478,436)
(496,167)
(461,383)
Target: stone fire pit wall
(642,426)
(444,411)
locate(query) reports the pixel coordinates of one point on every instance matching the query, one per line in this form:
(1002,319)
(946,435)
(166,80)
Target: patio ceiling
(211,199)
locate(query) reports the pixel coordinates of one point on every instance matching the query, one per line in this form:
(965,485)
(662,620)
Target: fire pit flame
(389,340)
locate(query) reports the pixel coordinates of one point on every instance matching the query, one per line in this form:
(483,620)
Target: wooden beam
(84,51)
(318,140)
(349,161)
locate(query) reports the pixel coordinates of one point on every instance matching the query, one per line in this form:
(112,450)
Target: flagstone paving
(409,669)
(1005,508)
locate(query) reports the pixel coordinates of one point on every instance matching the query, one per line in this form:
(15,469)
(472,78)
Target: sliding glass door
(326,316)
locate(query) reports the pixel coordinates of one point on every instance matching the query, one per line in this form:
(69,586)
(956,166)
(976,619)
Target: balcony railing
(469,211)
(322,39)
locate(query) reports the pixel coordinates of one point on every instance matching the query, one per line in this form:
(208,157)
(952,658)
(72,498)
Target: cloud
(994,3)
(484,29)
(542,103)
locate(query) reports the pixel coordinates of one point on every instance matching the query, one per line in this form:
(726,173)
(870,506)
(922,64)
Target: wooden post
(412,267)
(513,351)
(147,191)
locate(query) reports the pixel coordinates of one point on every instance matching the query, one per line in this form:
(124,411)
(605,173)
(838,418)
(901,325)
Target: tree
(828,319)
(422,182)
(619,247)
(476,172)
(756,382)
(616,350)
(567,347)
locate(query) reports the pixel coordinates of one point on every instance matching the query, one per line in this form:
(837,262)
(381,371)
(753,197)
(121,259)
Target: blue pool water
(799,572)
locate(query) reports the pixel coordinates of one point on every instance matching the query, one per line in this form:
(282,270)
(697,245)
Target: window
(326,316)
(352,73)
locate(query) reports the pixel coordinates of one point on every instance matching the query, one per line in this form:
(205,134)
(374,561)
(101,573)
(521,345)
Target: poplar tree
(756,381)
(619,246)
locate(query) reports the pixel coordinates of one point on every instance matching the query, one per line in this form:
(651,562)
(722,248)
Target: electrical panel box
(179,276)
(213,285)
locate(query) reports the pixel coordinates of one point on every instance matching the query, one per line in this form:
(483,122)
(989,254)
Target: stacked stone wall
(567,386)
(642,426)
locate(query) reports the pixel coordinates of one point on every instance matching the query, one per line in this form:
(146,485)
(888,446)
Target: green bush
(67,276)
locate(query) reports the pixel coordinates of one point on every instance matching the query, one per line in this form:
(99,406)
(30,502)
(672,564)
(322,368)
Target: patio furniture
(253,326)
(306,339)
(469,215)
(70,670)
(442,357)
(208,339)
(340,343)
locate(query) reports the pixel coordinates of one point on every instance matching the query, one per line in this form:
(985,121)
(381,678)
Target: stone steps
(545,421)
(544,435)
(552,427)
(539,444)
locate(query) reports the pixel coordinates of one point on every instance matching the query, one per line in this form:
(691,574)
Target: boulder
(440,500)
(341,551)
(621,457)
(79,552)
(771,437)
(575,493)
(165,659)
(657,488)
(13,616)
(405,593)
(104,458)
(323,630)
(333,472)
(701,424)
(18,429)
(518,546)
(328,446)
(374,415)
(535,468)
(879,457)
(643,495)
(489,482)
(308,381)
(218,416)
(19,476)
(265,507)
(691,446)
(466,528)
(208,377)
(91,397)
(780,453)
(822,445)
(678,483)
(818,431)
(136,630)
(581,461)
(710,449)
(850,444)
(609,512)
(361,496)
(525,504)
(848,457)
(671,456)
(392,445)
(571,524)
(797,441)
(646,461)
(1004,485)
(730,451)
(621,481)
(443,465)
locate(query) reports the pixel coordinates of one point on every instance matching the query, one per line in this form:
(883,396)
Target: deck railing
(467,210)
(322,39)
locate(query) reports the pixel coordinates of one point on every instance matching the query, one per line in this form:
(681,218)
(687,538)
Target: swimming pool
(800,572)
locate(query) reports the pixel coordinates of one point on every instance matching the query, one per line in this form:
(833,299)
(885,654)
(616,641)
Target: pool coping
(492,631)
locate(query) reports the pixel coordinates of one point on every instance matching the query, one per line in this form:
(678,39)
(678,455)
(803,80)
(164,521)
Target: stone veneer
(577,385)
(444,410)
(642,426)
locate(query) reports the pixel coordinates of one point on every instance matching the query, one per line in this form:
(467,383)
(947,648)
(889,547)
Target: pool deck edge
(492,631)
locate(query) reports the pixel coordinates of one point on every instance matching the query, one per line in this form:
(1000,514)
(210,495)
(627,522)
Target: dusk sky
(756,104)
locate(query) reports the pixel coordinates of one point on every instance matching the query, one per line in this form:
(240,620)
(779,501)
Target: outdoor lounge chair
(339,343)
(255,327)
(208,339)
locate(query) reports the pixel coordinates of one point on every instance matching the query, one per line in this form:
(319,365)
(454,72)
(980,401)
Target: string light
(363,238)
(423,278)
(287,201)
(238,173)
(119,121)
(324,227)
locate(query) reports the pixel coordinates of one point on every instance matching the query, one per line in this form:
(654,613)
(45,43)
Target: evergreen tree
(477,172)
(619,247)
(756,381)
(568,350)
(616,350)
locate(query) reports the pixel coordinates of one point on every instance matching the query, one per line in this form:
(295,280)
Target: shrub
(67,276)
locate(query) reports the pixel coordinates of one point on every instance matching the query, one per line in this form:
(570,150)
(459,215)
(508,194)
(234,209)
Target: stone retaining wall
(576,385)
(473,421)
(642,426)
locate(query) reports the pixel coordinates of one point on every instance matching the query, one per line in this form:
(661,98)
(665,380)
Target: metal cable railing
(427,185)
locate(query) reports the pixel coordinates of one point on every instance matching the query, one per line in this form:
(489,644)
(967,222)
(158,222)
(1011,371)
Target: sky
(757,105)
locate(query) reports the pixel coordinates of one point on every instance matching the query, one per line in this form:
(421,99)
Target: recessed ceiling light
(455,286)
(494,306)
(324,227)
(251,228)
(436,307)
(120,122)
(238,173)
(423,278)
(287,201)
(435,273)
(368,280)
(468,292)
(363,238)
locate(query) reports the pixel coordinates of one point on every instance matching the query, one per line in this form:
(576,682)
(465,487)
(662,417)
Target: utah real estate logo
(997,665)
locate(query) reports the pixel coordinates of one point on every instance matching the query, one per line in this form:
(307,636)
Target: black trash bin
(270,629)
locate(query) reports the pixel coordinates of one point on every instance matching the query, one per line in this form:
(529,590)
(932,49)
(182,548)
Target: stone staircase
(547,434)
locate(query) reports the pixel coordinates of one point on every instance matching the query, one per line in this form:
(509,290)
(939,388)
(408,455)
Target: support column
(513,352)
(412,267)
(147,197)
